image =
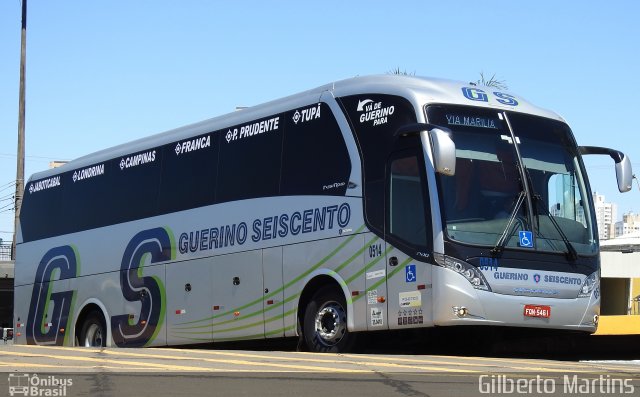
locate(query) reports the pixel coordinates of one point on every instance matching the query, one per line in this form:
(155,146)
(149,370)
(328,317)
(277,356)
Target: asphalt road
(175,372)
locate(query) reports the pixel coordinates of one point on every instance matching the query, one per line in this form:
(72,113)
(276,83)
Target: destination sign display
(466,120)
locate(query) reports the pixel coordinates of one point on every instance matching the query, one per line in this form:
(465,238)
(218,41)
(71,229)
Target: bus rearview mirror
(624,173)
(444,152)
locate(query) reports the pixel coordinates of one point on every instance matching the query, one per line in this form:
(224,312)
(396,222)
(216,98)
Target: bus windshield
(484,202)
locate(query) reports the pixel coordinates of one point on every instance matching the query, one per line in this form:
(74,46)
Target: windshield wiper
(572,254)
(508,230)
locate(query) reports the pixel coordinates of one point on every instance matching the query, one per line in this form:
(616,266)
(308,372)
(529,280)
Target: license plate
(537,311)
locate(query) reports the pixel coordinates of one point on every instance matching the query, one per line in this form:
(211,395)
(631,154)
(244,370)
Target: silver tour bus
(374,203)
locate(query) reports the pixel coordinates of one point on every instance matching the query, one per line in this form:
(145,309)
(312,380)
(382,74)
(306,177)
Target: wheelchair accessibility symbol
(526,239)
(410,273)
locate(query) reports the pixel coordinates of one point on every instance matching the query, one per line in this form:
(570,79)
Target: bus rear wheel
(94,331)
(325,322)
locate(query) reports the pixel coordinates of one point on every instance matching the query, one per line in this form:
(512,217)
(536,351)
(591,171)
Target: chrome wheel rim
(93,337)
(330,323)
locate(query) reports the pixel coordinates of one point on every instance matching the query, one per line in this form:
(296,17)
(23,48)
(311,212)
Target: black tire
(94,331)
(325,322)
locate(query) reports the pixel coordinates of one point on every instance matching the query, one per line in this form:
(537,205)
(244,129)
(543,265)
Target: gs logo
(59,263)
(62,263)
(154,245)
(476,94)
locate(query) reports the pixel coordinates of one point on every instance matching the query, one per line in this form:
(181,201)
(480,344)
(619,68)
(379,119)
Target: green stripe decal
(368,266)
(191,330)
(278,304)
(289,284)
(254,324)
(389,276)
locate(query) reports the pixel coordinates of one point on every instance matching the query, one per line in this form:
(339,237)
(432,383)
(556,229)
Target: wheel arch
(315,283)
(89,306)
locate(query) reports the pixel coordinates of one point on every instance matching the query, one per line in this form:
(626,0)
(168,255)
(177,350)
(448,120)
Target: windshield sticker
(526,239)
(478,122)
(374,112)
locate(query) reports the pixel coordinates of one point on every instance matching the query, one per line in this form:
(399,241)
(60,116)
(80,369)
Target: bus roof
(421,90)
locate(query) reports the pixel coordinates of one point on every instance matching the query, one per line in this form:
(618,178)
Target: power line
(7,189)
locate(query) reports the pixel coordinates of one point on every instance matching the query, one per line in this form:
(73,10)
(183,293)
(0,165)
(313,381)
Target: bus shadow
(472,341)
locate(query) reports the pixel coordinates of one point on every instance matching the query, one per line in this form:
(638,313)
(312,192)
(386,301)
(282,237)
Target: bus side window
(315,159)
(407,202)
(249,167)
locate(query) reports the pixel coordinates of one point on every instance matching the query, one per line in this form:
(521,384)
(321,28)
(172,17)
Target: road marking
(336,359)
(120,352)
(546,362)
(495,364)
(362,363)
(75,367)
(104,360)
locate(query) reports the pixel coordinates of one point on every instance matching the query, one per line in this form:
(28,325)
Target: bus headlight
(470,272)
(590,283)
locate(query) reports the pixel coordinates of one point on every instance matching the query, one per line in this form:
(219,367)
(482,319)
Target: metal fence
(5,252)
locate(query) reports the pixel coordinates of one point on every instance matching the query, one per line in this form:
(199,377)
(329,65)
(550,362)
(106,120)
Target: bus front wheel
(94,331)
(325,322)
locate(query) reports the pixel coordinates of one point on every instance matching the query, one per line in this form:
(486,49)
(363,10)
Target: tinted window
(42,211)
(240,162)
(87,198)
(66,203)
(315,157)
(407,201)
(135,185)
(189,170)
(375,119)
(250,158)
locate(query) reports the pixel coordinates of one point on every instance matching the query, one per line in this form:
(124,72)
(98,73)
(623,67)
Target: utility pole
(21,113)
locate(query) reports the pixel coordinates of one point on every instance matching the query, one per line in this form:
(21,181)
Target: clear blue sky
(100,73)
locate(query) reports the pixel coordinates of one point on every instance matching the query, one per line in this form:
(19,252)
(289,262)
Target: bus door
(408,237)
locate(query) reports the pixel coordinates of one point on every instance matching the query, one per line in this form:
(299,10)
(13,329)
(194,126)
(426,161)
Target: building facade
(605,215)
(630,223)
